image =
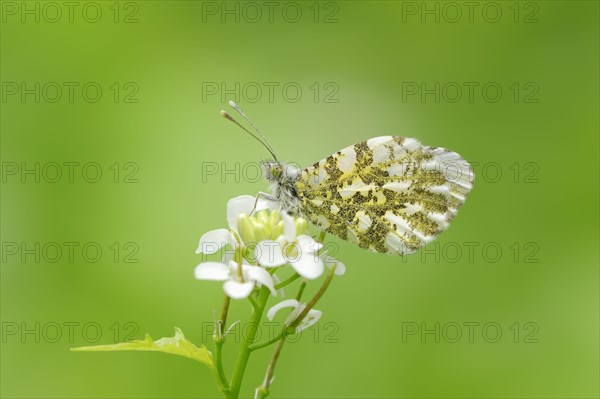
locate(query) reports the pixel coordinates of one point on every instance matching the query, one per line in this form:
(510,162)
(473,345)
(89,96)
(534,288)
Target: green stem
(219,340)
(321,236)
(225,311)
(238,256)
(287,281)
(253,302)
(263,390)
(315,299)
(244,354)
(267,343)
(301,290)
(221,377)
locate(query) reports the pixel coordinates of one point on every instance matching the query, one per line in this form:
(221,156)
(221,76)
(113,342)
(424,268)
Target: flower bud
(261,231)
(265,225)
(245,226)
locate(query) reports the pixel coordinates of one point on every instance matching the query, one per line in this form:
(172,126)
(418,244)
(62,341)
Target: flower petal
(244,204)
(261,276)
(234,265)
(289,227)
(237,290)
(214,240)
(212,271)
(234,268)
(308,244)
(308,265)
(310,320)
(228,256)
(237,206)
(268,253)
(288,303)
(330,261)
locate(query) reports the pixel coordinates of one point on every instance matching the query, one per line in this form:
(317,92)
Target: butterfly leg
(266,196)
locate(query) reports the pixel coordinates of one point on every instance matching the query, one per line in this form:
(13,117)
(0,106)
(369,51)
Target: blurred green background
(520,260)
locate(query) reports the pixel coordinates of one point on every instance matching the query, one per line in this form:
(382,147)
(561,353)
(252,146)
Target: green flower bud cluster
(265,225)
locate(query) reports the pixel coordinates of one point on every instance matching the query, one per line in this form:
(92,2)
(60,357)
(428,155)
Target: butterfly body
(387,194)
(282,180)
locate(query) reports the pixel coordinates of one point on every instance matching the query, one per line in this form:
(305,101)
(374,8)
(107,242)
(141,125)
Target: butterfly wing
(387,194)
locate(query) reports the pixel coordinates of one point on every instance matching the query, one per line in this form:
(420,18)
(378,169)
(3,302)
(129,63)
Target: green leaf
(177,345)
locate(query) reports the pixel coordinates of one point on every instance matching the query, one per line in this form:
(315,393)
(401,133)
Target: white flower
(309,320)
(234,286)
(300,251)
(281,239)
(212,241)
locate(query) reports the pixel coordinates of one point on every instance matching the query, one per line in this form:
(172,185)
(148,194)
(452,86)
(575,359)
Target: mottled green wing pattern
(387,194)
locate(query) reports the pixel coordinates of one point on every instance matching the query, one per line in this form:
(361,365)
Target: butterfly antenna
(230,118)
(238,109)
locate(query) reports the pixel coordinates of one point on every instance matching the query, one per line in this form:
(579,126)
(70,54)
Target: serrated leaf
(176,345)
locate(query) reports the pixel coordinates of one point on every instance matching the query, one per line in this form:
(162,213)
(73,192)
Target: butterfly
(388,194)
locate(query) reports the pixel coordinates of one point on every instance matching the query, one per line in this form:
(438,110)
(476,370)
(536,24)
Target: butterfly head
(281,176)
(276,172)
